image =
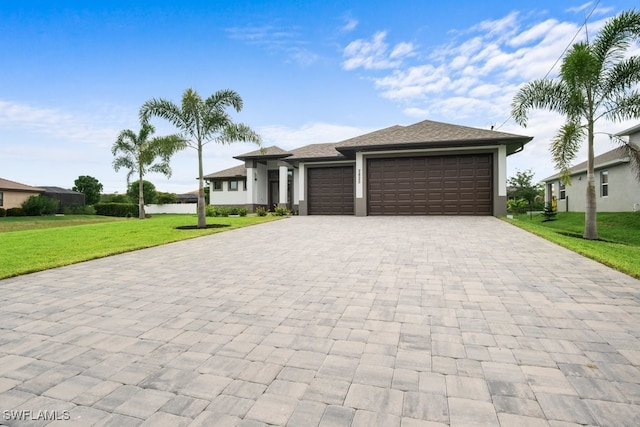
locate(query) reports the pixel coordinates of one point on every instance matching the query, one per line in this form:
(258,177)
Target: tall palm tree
(139,152)
(201,122)
(597,80)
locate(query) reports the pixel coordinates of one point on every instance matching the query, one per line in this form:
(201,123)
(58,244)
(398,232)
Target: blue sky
(75,73)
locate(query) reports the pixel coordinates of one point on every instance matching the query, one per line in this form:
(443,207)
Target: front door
(274,194)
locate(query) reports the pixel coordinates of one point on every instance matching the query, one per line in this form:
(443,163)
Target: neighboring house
(65,198)
(13,194)
(617,187)
(422,169)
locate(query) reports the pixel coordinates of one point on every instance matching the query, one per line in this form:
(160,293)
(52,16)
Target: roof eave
(516,142)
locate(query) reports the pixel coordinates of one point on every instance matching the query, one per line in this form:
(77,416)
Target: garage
(330,190)
(430,185)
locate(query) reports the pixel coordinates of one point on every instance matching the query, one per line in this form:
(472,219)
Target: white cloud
(349,25)
(310,133)
(374,54)
(78,127)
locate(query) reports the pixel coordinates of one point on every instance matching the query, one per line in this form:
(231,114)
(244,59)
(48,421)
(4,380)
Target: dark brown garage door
(430,185)
(330,190)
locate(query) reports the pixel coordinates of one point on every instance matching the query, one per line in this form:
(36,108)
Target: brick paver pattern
(326,321)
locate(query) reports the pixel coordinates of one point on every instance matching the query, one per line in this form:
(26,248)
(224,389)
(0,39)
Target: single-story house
(13,194)
(617,186)
(66,198)
(421,169)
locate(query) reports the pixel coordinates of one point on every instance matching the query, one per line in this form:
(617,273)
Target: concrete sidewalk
(330,321)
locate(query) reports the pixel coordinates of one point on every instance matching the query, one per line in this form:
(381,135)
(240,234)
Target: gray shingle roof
(615,156)
(427,133)
(316,151)
(236,171)
(272,152)
(6,184)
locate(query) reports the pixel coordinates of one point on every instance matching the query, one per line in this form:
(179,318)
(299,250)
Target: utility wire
(584,24)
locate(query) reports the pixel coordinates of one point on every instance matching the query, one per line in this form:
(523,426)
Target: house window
(217,185)
(604,183)
(233,185)
(1,198)
(563,191)
(244,185)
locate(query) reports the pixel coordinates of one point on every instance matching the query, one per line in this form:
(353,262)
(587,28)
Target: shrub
(39,205)
(166,198)
(517,206)
(232,210)
(261,211)
(281,211)
(15,212)
(79,210)
(216,211)
(125,210)
(3,212)
(243,211)
(549,212)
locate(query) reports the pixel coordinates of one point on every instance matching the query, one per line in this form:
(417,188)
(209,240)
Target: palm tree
(138,154)
(597,80)
(201,122)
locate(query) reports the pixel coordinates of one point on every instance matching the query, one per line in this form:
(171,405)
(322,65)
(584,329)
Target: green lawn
(29,244)
(619,233)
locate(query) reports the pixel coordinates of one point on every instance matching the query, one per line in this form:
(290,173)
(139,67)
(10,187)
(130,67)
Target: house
(617,186)
(422,169)
(13,194)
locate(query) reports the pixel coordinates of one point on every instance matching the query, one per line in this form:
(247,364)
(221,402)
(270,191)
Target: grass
(619,233)
(34,244)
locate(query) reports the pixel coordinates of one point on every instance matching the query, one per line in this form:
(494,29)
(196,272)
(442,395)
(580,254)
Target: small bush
(166,198)
(217,211)
(517,206)
(39,205)
(243,211)
(281,211)
(549,212)
(15,212)
(261,211)
(3,212)
(124,210)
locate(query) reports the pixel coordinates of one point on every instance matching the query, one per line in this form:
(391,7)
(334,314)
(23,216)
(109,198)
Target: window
(244,183)
(217,185)
(563,191)
(1,198)
(233,185)
(604,183)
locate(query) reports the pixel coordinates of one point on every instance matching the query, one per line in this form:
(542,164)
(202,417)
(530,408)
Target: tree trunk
(141,214)
(202,220)
(590,212)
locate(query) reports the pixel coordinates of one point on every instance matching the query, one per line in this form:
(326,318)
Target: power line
(584,24)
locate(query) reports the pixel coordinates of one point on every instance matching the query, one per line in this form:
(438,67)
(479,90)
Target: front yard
(619,233)
(31,244)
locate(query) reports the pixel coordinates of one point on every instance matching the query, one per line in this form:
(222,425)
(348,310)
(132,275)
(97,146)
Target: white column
(284,185)
(359,176)
(502,170)
(301,182)
(251,185)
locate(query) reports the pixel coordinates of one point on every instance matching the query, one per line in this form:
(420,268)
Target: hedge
(125,210)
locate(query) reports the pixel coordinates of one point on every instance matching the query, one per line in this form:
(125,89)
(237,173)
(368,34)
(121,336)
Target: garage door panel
(444,185)
(330,191)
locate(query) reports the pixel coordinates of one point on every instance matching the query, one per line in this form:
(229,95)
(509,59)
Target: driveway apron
(326,321)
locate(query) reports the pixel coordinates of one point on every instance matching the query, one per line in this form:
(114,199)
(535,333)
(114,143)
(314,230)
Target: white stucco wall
(172,208)
(225,197)
(624,191)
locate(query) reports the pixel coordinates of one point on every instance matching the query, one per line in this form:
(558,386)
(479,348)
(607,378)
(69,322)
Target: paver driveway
(326,321)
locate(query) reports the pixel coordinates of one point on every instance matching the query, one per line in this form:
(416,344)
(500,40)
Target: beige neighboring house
(12,193)
(617,187)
